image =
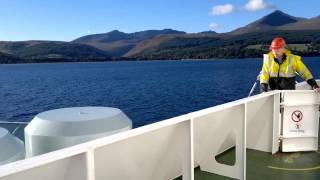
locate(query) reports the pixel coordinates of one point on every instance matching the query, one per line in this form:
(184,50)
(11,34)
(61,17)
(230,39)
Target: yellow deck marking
(295,169)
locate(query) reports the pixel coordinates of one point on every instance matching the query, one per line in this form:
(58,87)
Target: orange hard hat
(277,43)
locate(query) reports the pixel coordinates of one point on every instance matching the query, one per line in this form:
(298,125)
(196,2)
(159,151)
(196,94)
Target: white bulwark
(174,147)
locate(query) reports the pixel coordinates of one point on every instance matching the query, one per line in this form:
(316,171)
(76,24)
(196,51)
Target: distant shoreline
(140,60)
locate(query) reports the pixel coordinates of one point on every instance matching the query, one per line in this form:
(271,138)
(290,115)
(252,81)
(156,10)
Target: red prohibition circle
(296,116)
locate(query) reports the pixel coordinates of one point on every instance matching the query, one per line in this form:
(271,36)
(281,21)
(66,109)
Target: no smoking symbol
(296,116)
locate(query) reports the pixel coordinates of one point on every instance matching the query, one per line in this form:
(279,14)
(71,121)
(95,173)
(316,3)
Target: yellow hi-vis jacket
(282,75)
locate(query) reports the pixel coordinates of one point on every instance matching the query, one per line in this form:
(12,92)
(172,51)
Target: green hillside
(305,43)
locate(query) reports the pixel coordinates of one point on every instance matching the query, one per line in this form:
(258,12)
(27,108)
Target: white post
(90,164)
(188,169)
(244,135)
(276,123)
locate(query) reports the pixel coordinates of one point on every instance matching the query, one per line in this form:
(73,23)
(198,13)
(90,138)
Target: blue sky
(68,19)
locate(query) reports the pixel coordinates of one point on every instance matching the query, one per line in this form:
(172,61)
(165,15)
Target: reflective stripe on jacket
(282,75)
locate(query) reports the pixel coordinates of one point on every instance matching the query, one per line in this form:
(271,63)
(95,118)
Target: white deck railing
(167,149)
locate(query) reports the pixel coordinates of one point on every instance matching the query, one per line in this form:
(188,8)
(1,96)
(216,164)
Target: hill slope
(237,46)
(51,51)
(117,43)
(272,21)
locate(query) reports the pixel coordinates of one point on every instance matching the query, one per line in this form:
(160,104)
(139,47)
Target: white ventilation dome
(59,128)
(12,148)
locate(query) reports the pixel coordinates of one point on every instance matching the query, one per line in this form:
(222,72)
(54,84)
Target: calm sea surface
(147,91)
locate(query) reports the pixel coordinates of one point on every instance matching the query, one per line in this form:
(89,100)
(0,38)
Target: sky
(65,20)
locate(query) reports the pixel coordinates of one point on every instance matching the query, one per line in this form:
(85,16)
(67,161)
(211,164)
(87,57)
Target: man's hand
(317,90)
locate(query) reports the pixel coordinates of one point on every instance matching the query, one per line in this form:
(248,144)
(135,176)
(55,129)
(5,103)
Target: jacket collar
(285,56)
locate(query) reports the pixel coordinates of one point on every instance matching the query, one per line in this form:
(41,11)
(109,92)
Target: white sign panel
(300,122)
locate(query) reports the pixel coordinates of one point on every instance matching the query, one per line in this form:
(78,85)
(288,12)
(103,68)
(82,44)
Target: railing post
(245,141)
(188,169)
(90,164)
(276,122)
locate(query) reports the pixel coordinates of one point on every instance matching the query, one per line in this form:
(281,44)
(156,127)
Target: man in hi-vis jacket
(280,67)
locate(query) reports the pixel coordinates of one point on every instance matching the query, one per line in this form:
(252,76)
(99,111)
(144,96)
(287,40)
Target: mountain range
(117,43)
(248,41)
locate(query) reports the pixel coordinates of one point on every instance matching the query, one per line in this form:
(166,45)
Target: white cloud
(221,9)
(255,5)
(213,26)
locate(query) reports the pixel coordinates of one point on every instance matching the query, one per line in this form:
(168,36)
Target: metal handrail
(17,124)
(254,85)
